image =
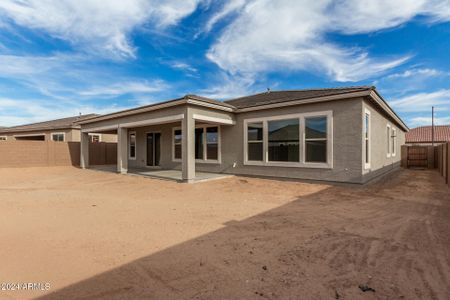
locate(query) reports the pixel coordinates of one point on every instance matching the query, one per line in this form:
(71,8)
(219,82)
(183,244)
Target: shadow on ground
(391,235)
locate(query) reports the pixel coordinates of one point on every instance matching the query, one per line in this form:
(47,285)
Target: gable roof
(266,100)
(274,97)
(64,123)
(424,134)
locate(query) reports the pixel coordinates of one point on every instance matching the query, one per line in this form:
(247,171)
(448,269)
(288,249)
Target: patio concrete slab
(174,175)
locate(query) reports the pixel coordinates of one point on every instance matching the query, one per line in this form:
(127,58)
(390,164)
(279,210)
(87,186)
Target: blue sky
(60,58)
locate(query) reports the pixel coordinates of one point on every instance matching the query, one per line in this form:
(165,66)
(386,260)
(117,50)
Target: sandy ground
(95,235)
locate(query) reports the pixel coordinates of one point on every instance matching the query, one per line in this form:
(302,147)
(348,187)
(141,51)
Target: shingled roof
(64,123)
(273,97)
(423,134)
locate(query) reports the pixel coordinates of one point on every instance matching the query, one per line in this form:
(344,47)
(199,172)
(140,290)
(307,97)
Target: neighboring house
(341,134)
(423,135)
(61,130)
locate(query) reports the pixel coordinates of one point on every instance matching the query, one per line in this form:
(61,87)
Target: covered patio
(165,140)
(172,175)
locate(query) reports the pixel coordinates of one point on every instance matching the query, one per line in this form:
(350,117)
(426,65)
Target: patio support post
(84,153)
(188,146)
(122,150)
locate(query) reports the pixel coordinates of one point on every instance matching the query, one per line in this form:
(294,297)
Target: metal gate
(417,157)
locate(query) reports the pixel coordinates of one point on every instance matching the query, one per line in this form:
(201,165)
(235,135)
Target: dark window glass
(132,145)
(316,151)
(58,137)
(178,151)
(284,140)
(316,139)
(198,143)
(255,132)
(212,151)
(316,128)
(255,141)
(367,151)
(255,151)
(388,139)
(212,143)
(177,136)
(212,136)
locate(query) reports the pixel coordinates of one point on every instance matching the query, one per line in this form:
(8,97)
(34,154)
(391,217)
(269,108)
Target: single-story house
(337,134)
(60,130)
(423,135)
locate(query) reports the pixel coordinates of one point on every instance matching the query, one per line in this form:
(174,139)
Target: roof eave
(189,99)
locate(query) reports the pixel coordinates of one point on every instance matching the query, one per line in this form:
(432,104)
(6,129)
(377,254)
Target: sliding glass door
(153,149)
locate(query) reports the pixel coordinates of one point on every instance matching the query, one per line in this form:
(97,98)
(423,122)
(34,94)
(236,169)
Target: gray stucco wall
(348,160)
(380,162)
(346,144)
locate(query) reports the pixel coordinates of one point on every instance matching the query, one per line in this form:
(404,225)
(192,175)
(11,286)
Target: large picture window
(284,140)
(206,144)
(316,139)
(297,140)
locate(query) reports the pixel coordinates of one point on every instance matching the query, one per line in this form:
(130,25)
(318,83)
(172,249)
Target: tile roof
(272,97)
(53,124)
(423,134)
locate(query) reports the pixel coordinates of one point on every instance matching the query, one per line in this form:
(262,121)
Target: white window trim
(389,147)
(394,141)
(204,160)
(96,134)
(129,145)
(58,133)
(3,138)
(302,162)
(367,165)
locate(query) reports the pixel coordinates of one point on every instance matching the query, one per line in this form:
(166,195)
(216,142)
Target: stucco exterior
(380,160)
(346,163)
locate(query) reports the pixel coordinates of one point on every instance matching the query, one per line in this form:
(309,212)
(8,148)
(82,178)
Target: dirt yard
(106,236)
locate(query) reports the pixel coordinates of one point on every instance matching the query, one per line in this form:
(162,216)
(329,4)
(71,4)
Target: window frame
(3,138)
(205,159)
(302,143)
(389,148)
(58,133)
(256,141)
(368,139)
(394,141)
(130,133)
(95,134)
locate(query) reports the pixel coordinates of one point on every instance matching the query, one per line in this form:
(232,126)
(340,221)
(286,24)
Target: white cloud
(23,111)
(422,73)
(67,77)
(422,102)
(124,88)
(291,35)
(426,121)
(228,8)
(227,87)
(183,66)
(95,24)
